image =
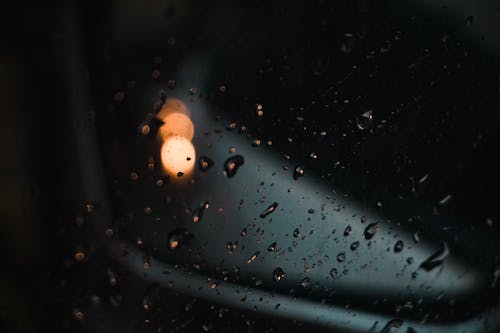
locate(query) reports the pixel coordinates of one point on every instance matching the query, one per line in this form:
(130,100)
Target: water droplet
(334,273)
(155,74)
(231,246)
(305,282)
(231,126)
(347,230)
(243,232)
(109,232)
(469,21)
(272,247)
(392,326)
(178,238)
(398,247)
(296,232)
(298,172)
(423,179)
(416,237)
(198,212)
(341,257)
(145,129)
(269,210)
(278,274)
(446,200)
(256,143)
(496,275)
(436,259)
(205,163)
(232,164)
(150,125)
(90,207)
(347,44)
(253,257)
(260,111)
(79,256)
(207,327)
(171,84)
(151,163)
(371,230)
(365,121)
(354,246)
(78,314)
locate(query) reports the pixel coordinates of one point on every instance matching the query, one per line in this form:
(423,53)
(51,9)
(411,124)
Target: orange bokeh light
(177,124)
(177,152)
(173,105)
(178,156)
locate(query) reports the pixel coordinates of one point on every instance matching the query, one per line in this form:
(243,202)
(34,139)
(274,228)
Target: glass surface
(258,166)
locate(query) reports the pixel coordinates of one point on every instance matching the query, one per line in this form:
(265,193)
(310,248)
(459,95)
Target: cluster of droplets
(198,212)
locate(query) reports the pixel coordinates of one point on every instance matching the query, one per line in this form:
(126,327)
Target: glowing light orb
(173,105)
(177,124)
(178,156)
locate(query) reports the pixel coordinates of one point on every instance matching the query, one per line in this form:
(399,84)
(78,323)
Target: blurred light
(173,105)
(177,152)
(178,156)
(177,124)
